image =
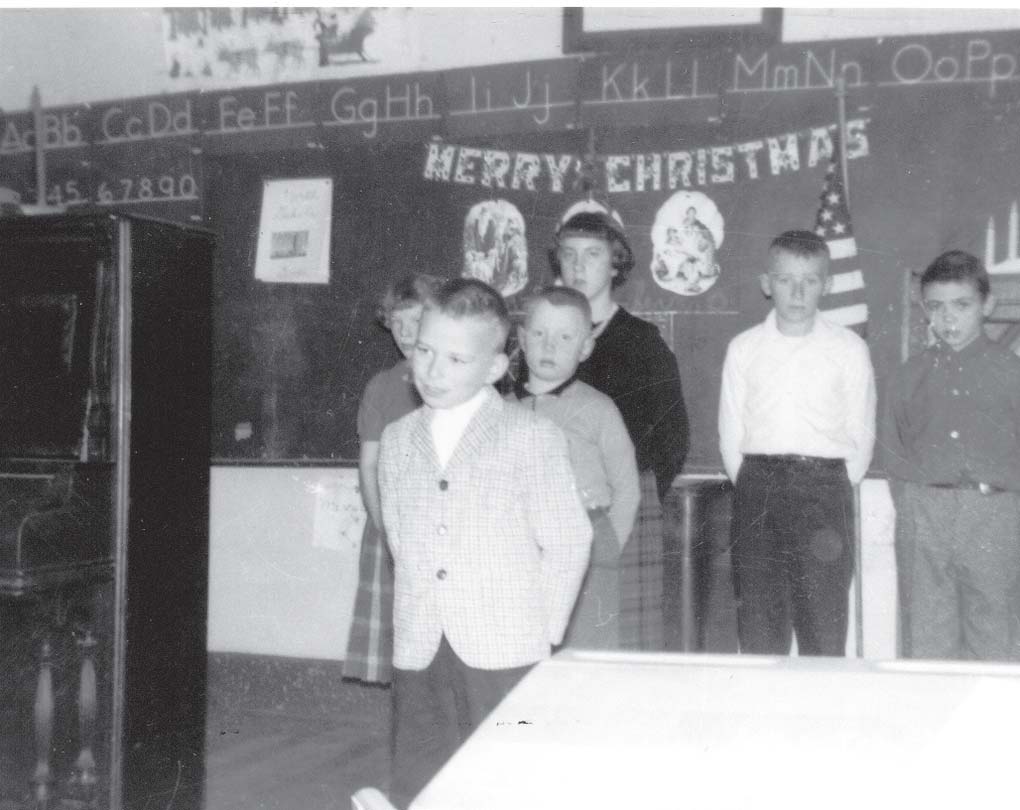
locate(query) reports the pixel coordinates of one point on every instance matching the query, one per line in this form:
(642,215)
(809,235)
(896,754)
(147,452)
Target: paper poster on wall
(495,246)
(294,230)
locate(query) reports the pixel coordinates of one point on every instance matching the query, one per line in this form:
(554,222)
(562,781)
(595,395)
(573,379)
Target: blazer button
(441,573)
(441,529)
(444,485)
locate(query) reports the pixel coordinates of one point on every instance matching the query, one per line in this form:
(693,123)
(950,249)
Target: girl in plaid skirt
(388,396)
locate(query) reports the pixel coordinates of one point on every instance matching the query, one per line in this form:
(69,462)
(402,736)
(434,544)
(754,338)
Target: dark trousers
(792,551)
(434,711)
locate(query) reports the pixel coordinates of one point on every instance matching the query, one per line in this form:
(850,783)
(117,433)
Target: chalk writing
(67,193)
(633,82)
(155,119)
(768,74)
(533,96)
(979,63)
(60,131)
(394,104)
(276,109)
(143,189)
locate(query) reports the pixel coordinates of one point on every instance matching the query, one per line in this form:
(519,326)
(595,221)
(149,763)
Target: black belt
(787,458)
(977,486)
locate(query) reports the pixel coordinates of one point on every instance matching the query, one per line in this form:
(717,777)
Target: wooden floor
(298,756)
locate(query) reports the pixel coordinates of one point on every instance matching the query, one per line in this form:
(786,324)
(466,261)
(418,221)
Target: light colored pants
(958,559)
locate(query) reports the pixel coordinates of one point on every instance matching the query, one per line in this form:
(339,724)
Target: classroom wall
(283,561)
(283,564)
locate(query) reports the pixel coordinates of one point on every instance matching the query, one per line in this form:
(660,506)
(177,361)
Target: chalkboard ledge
(283,462)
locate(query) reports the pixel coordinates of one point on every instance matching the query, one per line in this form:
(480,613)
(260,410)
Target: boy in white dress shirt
(796,432)
(489,537)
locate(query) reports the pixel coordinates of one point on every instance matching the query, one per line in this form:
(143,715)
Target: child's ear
(989,305)
(766,284)
(587,348)
(500,363)
(520,336)
(827,284)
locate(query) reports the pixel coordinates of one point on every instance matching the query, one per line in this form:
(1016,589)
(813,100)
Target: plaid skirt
(641,590)
(370,643)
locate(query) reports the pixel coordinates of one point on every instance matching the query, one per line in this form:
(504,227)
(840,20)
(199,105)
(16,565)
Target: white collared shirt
(812,395)
(449,424)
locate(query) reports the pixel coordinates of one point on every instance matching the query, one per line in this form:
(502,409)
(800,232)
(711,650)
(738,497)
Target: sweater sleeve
(559,524)
(666,441)
(620,464)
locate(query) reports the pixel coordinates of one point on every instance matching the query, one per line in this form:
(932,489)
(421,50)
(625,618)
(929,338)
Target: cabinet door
(50,334)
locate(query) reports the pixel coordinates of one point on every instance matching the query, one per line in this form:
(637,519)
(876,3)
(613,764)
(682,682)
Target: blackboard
(933,168)
(292,360)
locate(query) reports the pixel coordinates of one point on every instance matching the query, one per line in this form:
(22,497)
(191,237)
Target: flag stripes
(845,302)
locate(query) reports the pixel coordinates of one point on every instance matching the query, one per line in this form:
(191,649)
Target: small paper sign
(294,231)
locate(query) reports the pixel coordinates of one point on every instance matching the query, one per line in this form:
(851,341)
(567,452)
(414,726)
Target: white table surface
(633,730)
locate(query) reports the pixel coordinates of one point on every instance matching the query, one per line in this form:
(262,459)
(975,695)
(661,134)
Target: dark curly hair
(597,226)
(958,265)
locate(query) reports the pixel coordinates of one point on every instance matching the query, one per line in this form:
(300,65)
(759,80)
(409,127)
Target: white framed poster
(294,229)
(627,28)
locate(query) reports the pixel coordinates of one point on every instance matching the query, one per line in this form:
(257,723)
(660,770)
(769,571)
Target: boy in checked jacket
(490,540)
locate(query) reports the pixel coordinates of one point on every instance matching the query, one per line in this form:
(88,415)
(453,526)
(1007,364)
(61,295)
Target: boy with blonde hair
(556,337)
(490,540)
(796,432)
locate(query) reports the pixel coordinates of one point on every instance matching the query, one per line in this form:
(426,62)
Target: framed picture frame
(622,29)
(294,231)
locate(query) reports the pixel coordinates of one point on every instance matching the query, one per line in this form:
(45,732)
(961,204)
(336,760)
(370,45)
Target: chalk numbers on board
(66,193)
(165,188)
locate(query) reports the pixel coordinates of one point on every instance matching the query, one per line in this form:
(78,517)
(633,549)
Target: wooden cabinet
(104,471)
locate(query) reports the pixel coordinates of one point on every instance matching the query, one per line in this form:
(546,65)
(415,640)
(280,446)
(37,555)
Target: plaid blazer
(490,550)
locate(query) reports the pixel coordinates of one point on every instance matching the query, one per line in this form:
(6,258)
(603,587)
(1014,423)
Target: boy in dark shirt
(953,432)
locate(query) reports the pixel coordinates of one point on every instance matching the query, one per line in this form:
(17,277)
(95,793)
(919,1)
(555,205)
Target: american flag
(845,303)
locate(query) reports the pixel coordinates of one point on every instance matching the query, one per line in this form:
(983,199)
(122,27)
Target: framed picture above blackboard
(622,29)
